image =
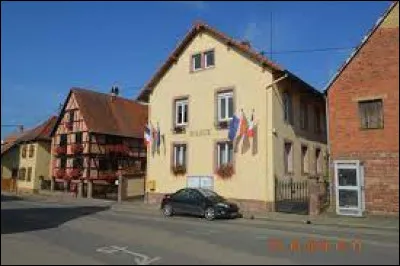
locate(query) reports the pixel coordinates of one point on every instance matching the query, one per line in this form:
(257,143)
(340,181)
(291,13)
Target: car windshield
(210,194)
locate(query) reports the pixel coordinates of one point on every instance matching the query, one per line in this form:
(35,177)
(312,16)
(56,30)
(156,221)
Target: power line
(314,50)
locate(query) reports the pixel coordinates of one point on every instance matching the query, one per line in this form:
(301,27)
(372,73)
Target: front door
(349,180)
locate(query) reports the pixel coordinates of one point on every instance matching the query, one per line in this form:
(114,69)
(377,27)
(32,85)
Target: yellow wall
(254,171)
(9,160)
(231,70)
(39,163)
(392,19)
(134,187)
(294,133)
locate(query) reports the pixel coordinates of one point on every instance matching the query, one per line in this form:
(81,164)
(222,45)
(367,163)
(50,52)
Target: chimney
(114,93)
(246,43)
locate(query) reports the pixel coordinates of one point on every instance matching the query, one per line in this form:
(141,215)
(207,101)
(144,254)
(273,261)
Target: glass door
(349,188)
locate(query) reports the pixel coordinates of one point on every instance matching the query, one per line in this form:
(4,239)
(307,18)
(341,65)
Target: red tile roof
(118,116)
(41,132)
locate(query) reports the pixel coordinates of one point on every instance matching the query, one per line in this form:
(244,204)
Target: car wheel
(209,214)
(167,210)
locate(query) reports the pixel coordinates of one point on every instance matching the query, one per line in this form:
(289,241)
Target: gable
(231,68)
(71,104)
(197,30)
(389,20)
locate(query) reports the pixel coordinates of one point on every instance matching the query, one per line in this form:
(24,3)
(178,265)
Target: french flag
(147,135)
(233,127)
(250,130)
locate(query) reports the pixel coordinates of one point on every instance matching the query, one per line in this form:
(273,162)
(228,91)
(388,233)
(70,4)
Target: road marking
(140,259)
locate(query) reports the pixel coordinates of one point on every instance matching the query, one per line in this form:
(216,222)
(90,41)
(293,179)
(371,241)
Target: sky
(49,47)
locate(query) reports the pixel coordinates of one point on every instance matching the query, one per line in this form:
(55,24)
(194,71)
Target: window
(371,114)
(22,173)
(287,108)
(318,162)
(303,115)
(14,173)
(103,164)
(179,155)
(317,122)
(209,59)
(29,177)
(71,116)
(304,160)
(31,150)
(225,106)
(77,163)
(288,157)
(78,137)
(224,153)
(63,139)
(196,62)
(182,194)
(63,162)
(23,153)
(181,112)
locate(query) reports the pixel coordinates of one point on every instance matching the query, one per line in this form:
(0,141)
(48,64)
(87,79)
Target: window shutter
(363,115)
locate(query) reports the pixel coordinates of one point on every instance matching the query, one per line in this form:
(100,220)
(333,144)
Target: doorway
(349,180)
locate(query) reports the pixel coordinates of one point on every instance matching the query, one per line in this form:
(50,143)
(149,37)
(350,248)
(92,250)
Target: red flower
(75,173)
(77,148)
(60,173)
(60,150)
(225,171)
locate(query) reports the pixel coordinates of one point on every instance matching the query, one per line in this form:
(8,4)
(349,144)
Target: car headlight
(223,205)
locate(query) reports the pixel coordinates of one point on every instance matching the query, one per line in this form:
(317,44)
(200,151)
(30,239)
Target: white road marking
(140,259)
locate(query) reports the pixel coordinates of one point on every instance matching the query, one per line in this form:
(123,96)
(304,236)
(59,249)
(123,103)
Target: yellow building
(192,98)
(27,158)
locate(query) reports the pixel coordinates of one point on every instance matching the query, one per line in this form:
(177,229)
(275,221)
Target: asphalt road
(54,233)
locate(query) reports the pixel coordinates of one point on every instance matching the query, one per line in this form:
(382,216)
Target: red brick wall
(374,72)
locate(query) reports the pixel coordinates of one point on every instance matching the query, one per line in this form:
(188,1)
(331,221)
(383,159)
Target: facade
(97,137)
(27,157)
(363,104)
(192,98)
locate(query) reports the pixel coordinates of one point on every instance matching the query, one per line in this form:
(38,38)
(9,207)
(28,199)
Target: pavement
(43,230)
(378,222)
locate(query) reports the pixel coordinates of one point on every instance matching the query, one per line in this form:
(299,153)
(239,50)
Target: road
(34,232)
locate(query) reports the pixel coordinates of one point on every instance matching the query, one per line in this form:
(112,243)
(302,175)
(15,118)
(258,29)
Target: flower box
(222,124)
(179,129)
(117,149)
(76,148)
(225,171)
(179,170)
(60,150)
(75,173)
(60,173)
(108,175)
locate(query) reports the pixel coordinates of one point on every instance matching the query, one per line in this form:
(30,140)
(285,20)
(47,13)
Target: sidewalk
(328,219)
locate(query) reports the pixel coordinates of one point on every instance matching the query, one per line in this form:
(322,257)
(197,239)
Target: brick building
(363,120)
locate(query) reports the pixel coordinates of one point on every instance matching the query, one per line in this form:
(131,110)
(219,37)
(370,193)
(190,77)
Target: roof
(121,117)
(197,28)
(358,48)
(38,133)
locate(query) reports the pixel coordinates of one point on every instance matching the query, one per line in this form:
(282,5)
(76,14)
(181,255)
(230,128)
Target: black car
(199,202)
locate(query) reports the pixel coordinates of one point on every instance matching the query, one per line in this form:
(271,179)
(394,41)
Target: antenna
(270,37)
